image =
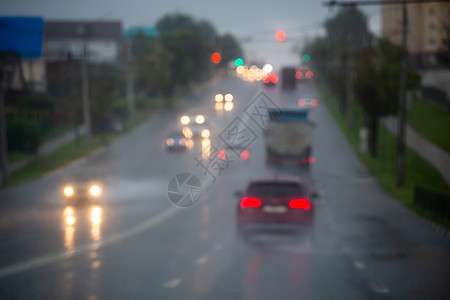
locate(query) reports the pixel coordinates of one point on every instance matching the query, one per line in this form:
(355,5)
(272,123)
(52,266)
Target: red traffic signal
(281,35)
(216,58)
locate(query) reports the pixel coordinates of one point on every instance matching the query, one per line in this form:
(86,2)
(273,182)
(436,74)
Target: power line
(378,2)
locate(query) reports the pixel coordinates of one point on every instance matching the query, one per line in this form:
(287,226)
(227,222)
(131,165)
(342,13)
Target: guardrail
(434,201)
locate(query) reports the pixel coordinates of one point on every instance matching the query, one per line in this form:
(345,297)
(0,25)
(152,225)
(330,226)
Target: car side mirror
(238,194)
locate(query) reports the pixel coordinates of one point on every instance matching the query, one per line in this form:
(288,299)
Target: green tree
(377,85)
(107,84)
(346,32)
(229,48)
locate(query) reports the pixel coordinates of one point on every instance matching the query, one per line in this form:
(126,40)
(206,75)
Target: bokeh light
(215,57)
(281,35)
(268,68)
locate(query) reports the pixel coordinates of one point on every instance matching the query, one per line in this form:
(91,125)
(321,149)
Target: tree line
(178,56)
(374,63)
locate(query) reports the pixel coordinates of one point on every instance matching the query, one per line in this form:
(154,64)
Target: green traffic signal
(238,62)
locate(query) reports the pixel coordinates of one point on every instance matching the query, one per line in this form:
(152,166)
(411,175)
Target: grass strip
(417,170)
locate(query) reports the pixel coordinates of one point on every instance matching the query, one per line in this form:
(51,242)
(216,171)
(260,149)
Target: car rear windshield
(275,189)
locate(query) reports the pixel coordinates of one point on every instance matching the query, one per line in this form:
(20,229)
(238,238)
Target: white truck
(288,138)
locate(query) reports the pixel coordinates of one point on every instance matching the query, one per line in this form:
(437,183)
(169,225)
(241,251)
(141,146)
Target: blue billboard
(22,35)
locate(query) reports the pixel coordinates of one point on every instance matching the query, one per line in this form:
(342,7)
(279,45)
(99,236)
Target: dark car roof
(276,186)
(276,180)
(176,134)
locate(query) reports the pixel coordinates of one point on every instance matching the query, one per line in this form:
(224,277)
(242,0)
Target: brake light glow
(250,202)
(300,203)
(274,78)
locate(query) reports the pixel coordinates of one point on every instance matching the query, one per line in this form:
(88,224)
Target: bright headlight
(68,191)
(185,120)
(205,133)
(200,119)
(218,98)
(228,97)
(95,190)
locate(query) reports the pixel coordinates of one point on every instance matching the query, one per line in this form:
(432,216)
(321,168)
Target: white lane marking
(359,264)
(172,283)
(202,260)
(62,255)
(379,287)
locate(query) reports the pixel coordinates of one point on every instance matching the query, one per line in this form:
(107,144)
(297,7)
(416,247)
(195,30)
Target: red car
(274,204)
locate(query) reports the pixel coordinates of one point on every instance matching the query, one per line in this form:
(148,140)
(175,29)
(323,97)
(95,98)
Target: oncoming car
(83,185)
(220,98)
(195,126)
(274,204)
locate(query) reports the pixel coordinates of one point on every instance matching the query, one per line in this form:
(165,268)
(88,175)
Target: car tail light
(300,203)
(250,202)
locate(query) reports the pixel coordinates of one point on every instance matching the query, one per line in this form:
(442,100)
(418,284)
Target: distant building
(23,36)
(427,24)
(12,72)
(65,40)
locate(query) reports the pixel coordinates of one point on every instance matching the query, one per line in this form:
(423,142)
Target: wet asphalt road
(134,244)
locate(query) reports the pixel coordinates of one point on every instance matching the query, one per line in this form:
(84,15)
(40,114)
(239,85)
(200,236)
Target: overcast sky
(259,20)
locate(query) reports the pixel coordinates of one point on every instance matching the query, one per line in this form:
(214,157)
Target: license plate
(274,209)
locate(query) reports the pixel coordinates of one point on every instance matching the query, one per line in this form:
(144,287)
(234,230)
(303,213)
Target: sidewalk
(434,155)
(48,147)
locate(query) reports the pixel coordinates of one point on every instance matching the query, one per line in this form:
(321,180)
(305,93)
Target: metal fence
(434,201)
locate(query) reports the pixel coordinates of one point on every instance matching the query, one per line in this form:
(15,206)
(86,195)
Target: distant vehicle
(288,138)
(274,204)
(84,184)
(195,126)
(220,98)
(288,79)
(176,141)
(303,74)
(270,79)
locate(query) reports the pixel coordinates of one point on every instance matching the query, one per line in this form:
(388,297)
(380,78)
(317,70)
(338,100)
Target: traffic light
(216,58)
(239,62)
(281,35)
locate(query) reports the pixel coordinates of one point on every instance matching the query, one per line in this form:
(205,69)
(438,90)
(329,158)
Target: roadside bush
(23,135)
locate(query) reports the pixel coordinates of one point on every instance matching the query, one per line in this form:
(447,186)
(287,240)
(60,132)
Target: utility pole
(401,126)
(3,139)
(349,80)
(129,69)
(85,92)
